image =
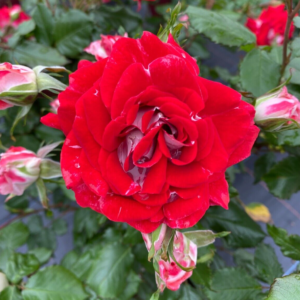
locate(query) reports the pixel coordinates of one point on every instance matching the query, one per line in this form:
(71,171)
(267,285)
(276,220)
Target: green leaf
(244,231)
(44,24)
(11,293)
(289,244)
(297,22)
(60,226)
(285,288)
(42,254)
(219,28)
(245,260)
(202,275)
(263,165)
(20,265)
(54,283)
(110,270)
(72,32)
(283,180)
(203,238)
(13,236)
(155,296)
(117,16)
(259,72)
(229,284)
(79,265)
(267,263)
(132,286)
(86,224)
(32,54)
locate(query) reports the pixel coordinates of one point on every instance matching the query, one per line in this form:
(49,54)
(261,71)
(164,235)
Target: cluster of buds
(278,111)
(174,257)
(174,253)
(20,168)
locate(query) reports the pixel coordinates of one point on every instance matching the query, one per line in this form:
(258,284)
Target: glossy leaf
(13,236)
(54,283)
(244,231)
(11,293)
(259,72)
(72,32)
(263,165)
(283,180)
(20,265)
(267,263)
(110,270)
(287,288)
(289,244)
(44,24)
(229,284)
(219,28)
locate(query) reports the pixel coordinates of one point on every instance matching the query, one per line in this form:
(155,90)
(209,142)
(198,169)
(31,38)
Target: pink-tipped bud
(278,111)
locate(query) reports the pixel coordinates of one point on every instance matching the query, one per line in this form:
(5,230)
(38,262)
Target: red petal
(84,137)
(85,198)
(188,192)
(232,127)
(181,208)
(221,98)
(187,176)
(152,200)
(244,150)
(51,120)
(134,80)
(4,105)
(205,141)
(158,217)
(70,166)
(117,178)
(144,226)
(123,209)
(217,159)
(218,193)
(97,116)
(190,220)
(171,74)
(125,52)
(156,178)
(111,139)
(92,178)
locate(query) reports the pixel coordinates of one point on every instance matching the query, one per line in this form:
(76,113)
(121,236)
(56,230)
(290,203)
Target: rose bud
(102,48)
(12,16)
(17,85)
(54,106)
(169,274)
(19,168)
(278,111)
(20,85)
(269,27)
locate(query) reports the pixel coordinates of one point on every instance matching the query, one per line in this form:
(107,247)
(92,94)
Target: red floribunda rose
(148,140)
(269,27)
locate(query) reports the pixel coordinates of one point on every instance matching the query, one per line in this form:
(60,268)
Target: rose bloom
(12,16)
(277,110)
(185,252)
(17,85)
(148,140)
(269,27)
(102,48)
(19,168)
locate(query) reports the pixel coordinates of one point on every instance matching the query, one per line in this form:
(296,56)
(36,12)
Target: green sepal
(41,188)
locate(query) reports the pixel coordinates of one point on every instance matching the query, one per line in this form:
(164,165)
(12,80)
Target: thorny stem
(291,14)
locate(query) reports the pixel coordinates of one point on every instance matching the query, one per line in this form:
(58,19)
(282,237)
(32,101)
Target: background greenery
(109,260)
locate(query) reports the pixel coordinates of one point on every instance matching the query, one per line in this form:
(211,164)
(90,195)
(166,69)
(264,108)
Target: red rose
(148,140)
(269,27)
